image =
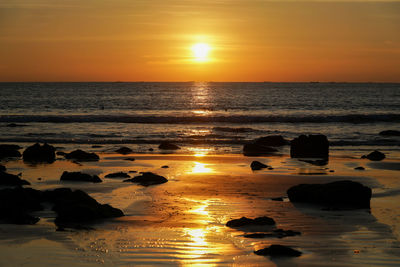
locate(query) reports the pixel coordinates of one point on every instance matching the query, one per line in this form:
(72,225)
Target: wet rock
(374,156)
(256,165)
(150,149)
(117,175)
(236,223)
(277,199)
(11,179)
(165,167)
(38,153)
(278,233)
(129,159)
(271,140)
(359,168)
(132,171)
(390,133)
(148,178)
(254,149)
(78,176)
(338,195)
(97,146)
(124,150)
(61,153)
(9,151)
(278,251)
(168,146)
(311,146)
(81,155)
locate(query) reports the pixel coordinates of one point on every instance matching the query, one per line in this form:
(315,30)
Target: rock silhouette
(9,151)
(311,146)
(81,155)
(390,133)
(117,175)
(278,251)
(168,146)
(124,150)
(242,222)
(148,178)
(256,165)
(38,153)
(81,177)
(11,179)
(374,156)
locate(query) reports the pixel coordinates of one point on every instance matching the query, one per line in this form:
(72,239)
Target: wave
(349,118)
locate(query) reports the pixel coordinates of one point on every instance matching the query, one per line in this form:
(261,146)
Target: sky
(152,40)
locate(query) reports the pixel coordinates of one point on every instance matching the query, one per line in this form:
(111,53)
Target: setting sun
(200,51)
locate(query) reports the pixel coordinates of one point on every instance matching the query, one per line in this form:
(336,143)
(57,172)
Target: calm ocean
(216,116)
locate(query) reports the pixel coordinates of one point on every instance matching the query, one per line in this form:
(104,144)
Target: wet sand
(182,222)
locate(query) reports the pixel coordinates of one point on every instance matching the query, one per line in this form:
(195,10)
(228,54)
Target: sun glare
(200,51)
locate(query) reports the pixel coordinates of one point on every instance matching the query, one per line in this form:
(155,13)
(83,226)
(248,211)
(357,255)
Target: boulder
(9,151)
(78,176)
(339,194)
(38,153)
(242,222)
(311,146)
(271,140)
(256,165)
(124,150)
(148,178)
(390,133)
(168,146)
(360,168)
(117,175)
(11,179)
(81,155)
(254,149)
(278,251)
(374,156)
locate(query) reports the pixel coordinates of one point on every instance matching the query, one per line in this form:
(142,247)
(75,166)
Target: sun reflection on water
(200,168)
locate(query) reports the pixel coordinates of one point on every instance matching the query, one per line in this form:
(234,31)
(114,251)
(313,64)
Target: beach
(182,222)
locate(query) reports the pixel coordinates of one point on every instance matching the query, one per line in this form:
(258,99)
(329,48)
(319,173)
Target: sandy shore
(182,222)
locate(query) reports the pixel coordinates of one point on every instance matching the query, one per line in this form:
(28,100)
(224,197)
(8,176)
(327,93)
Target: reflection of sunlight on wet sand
(200,152)
(202,112)
(201,168)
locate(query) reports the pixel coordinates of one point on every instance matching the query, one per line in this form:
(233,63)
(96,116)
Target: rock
(9,151)
(168,146)
(271,140)
(132,171)
(96,146)
(318,162)
(359,168)
(278,251)
(117,175)
(165,167)
(130,159)
(277,199)
(78,176)
(148,178)
(340,194)
(2,168)
(81,155)
(390,133)
(38,153)
(256,165)
(11,179)
(124,150)
(77,206)
(375,156)
(150,149)
(253,149)
(278,233)
(311,146)
(236,223)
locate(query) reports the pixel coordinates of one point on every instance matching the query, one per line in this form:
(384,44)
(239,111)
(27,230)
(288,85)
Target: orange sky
(250,40)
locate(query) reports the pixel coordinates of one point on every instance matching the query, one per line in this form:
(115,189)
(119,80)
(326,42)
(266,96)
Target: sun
(201,51)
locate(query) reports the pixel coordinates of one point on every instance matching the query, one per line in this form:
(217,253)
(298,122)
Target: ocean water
(218,117)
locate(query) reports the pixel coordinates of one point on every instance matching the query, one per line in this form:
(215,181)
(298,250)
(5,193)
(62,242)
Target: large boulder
(390,133)
(271,140)
(278,251)
(375,156)
(339,194)
(242,222)
(79,176)
(11,179)
(37,153)
(81,155)
(148,178)
(9,151)
(254,150)
(124,150)
(168,146)
(311,146)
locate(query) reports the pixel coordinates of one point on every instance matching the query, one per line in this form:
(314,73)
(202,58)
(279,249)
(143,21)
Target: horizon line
(394,82)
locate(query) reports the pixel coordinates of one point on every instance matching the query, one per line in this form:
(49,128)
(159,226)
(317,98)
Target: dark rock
(253,149)
(9,151)
(271,140)
(117,175)
(390,133)
(130,159)
(278,233)
(38,153)
(61,153)
(168,146)
(359,168)
(318,162)
(13,125)
(11,179)
(150,149)
(270,168)
(277,199)
(256,165)
(247,221)
(165,167)
(311,146)
(148,178)
(78,176)
(124,150)
(278,251)
(374,156)
(2,168)
(81,155)
(340,194)
(132,171)
(96,146)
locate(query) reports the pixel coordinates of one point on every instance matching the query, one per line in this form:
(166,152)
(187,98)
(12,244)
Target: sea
(215,117)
